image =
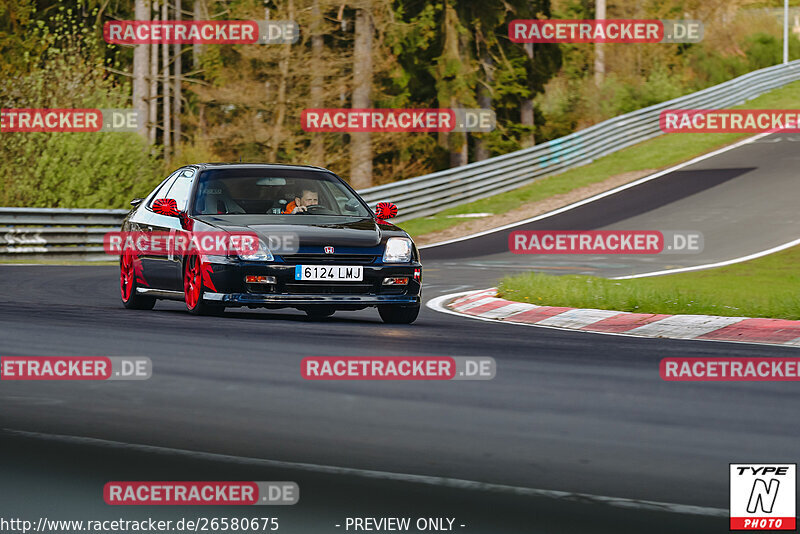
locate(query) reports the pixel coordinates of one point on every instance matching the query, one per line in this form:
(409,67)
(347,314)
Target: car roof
(255,165)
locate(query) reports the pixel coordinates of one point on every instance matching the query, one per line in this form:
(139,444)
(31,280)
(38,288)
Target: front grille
(329,289)
(341,259)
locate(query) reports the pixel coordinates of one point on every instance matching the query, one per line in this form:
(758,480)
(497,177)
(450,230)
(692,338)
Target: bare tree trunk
(153,122)
(277,130)
(177,93)
(484,102)
(317,80)
(141,62)
(459,147)
(165,84)
(361,143)
(343,89)
(526,117)
(202,127)
(453,142)
(200,13)
(599,51)
(459,154)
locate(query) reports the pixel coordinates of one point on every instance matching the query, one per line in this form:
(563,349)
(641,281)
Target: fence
(56,234)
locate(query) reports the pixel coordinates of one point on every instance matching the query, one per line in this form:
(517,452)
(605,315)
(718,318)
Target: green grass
(663,151)
(764,287)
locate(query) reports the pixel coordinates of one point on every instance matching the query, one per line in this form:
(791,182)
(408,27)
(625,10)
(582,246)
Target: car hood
(311,230)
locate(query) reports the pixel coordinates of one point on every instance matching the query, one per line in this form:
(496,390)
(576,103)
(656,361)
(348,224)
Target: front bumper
(230,289)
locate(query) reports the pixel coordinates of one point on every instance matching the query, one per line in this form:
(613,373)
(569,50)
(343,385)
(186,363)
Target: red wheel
(126,276)
(193,273)
(128,284)
(192,282)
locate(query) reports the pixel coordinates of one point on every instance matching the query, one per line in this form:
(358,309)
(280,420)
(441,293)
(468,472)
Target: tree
(165,84)
(455,78)
(484,101)
(177,88)
(141,92)
(153,103)
(15,45)
(519,76)
(317,147)
(200,12)
(599,50)
(361,143)
(526,116)
(280,115)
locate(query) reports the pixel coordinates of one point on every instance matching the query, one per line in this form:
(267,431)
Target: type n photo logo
(763,496)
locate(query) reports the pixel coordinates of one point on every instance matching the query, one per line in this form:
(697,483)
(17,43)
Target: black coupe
(320,246)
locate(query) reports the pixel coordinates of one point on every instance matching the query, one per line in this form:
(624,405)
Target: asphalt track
(743,200)
(573,412)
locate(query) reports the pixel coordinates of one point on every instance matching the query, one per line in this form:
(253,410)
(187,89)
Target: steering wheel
(318,209)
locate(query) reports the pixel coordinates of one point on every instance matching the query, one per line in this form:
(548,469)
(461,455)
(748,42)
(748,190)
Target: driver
(299,204)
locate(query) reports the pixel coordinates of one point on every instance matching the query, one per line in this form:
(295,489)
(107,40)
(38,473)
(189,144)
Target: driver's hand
(298,209)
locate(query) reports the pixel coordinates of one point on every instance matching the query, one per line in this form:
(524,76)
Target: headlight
(262,254)
(398,250)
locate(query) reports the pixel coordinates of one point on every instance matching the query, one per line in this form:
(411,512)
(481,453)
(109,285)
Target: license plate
(338,273)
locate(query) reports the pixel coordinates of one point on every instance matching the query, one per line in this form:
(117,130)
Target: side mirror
(166,206)
(385,210)
(136,201)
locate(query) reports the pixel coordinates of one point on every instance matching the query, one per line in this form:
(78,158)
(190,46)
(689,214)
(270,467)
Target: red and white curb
(485,305)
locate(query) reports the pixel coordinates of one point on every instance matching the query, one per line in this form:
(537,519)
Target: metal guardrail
(53,233)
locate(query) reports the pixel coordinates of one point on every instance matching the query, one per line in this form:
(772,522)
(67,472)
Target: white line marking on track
(753,256)
(454,483)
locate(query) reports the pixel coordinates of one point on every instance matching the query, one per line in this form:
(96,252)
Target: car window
(164,187)
(180,189)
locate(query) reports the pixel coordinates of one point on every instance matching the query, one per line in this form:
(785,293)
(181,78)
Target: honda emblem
(328,250)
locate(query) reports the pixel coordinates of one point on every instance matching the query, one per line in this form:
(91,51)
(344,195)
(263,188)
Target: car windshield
(274,192)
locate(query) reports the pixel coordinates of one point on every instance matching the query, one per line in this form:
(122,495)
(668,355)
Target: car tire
(193,288)
(127,285)
(316,313)
(399,314)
